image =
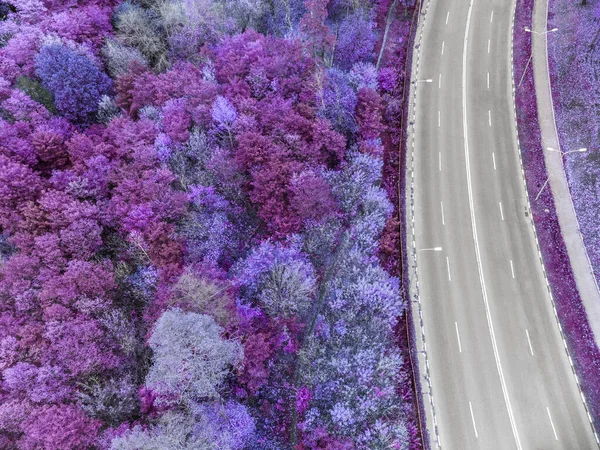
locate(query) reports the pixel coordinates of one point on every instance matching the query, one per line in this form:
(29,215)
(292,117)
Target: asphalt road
(499,372)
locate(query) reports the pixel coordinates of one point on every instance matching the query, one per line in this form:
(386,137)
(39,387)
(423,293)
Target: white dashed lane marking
(529,341)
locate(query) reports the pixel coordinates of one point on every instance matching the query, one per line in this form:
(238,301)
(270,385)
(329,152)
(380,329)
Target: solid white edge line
(501,211)
(529,341)
(552,423)
(443,219)
(474,228)
(512,269)
(473,419)
(448,266)
(458,337)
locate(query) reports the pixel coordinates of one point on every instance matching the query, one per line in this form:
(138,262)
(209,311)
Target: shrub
(203,296)
(112,400)
(246,13)
(37,92)
(107,109)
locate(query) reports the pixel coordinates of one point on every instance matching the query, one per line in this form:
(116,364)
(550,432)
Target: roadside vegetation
(576,96)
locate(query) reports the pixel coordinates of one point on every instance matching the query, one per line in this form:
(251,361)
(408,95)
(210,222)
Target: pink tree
(317,36)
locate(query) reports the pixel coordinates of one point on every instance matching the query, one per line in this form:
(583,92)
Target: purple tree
(60,426)
(316,34)
(356,40)
(339,102)
(77,84)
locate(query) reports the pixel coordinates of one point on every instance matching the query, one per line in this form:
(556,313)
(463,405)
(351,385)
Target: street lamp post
(543,186)
(433,249)
(540,33)
(415,82)
(579,150)
(562,154)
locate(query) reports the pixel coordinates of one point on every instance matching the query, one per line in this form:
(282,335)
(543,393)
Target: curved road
(499,372)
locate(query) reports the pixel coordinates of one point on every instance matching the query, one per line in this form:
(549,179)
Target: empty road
(499,372)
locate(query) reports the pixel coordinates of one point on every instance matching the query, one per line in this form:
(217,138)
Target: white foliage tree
(191,359)
(207,426)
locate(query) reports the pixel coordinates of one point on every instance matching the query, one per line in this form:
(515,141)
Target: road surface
(499,372)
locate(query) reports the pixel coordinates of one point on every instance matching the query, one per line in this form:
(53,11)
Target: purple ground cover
(198,245)
(574,54)
(571,312)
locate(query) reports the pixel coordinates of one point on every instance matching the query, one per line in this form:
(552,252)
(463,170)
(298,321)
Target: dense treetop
(191,208)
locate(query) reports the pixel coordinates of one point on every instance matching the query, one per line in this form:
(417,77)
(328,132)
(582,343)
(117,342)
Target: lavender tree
(223,113)
(339,102)
(190,161)
(279,277)
(356,39)
(363,75)
(349,358)
(209,232)
(285,16)
(224,116)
